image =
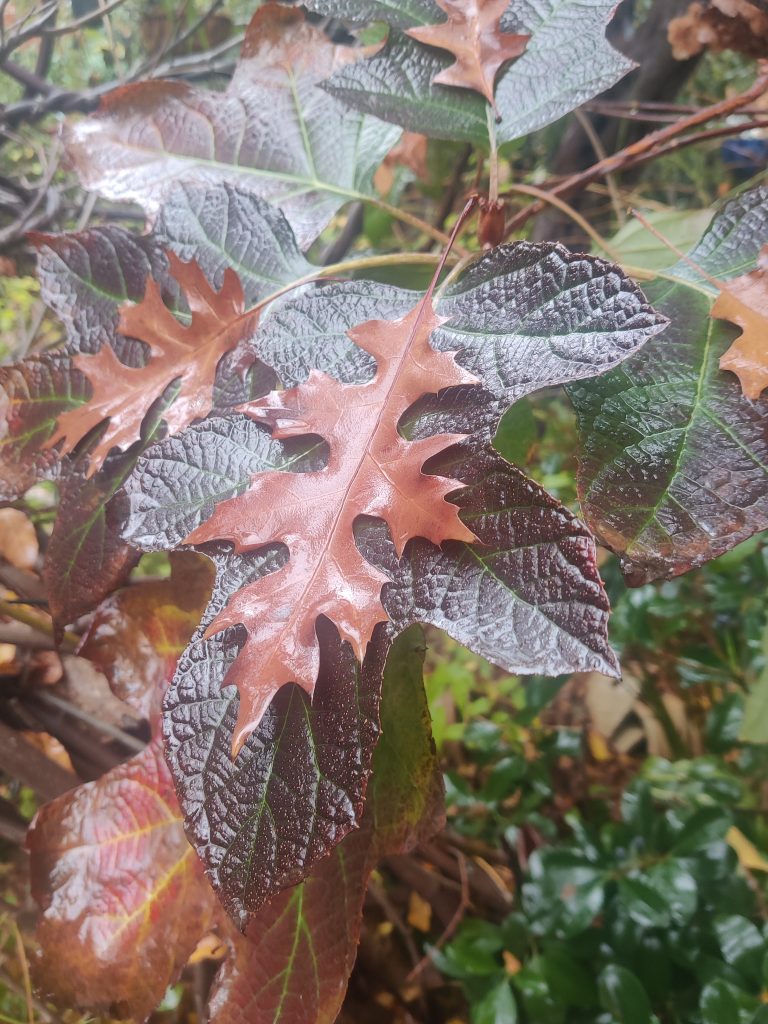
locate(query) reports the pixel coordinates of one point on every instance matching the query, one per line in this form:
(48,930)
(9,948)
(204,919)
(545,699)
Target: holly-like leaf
(473,34)
(674,466)
(744,301)
(300,948)
(119,888)
(137,635)
(567,61)
(150,134)
(379,475)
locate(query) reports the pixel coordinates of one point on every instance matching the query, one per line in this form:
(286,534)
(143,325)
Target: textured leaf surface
(272,132)
(523,318)
(313,513)
(300,948)
(567,61)
(472,33)
(398,13)
(528,597)
(136,636)
(32,395)
(86,276)
(297,786)
(120,890)
(674,467)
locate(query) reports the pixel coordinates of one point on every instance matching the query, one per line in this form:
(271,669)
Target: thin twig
(94,15)
(452,925)
(600,153)
(648,147)
(574,215)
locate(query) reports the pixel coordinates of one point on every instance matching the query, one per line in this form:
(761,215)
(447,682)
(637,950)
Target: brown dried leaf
(738,25)
(18,540)
(187,354)
(473,34)
(313,513)
(744,301)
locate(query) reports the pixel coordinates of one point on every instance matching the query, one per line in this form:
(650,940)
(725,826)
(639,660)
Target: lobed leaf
(302,945)
(297,786)
(312,514)
(674,462)
(148,135)
(567,62)
(472,33)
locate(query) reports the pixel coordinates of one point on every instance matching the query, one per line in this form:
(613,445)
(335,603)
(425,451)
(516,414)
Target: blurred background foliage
(606,857)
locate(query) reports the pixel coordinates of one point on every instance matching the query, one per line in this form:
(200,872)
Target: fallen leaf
(419,912)
(473,35)
(748,854)
(313,513)
(738,25)
(188,355)
(744,301)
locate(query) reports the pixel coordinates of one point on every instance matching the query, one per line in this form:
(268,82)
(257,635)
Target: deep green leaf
(622,994)
(717,1004)
(497,1006)
(674,466)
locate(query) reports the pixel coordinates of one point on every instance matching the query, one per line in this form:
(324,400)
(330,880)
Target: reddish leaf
(136,637)
(86,558)
(299,950)
(150,134)
(32,395)
(744,301)
(473,34)
(381,475)
(120,890)
(189,355)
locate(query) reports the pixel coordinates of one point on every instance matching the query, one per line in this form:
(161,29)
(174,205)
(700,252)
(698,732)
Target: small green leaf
(742,944)
(498,1006)
(622,994)
(754,727)
(717,1004)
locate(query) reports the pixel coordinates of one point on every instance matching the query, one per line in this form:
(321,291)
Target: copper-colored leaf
(473,35)
(740,25)
(120,889)
(271,132)
(744,301)
(136,636)
(313,513)
(187,354)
